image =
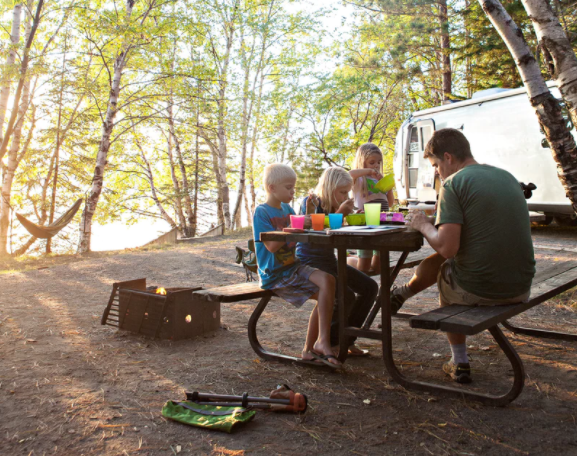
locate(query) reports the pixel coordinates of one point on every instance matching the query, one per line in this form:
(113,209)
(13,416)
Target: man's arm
(446,240)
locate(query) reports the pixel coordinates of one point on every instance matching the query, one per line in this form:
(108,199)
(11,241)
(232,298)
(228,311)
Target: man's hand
(346,207)
(419,221)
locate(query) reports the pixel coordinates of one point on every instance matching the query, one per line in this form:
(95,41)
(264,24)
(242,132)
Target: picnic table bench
(548,282)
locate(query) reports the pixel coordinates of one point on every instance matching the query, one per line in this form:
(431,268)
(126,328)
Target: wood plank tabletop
(408,240)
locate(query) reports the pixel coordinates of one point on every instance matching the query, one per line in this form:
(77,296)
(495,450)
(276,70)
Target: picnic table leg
(538,332)
(258,348)
(341,299)
(376,307)
(516,363)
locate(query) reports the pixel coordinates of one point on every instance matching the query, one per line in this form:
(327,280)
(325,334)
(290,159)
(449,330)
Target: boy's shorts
(451,293)
(297,288)
(367,253)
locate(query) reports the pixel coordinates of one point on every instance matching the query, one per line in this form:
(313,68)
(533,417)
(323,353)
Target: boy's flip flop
(325,359)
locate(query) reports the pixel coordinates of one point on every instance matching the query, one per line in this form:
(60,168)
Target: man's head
(279,180)
(447,150)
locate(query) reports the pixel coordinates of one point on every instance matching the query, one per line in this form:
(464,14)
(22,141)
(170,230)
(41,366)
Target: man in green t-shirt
(483,228)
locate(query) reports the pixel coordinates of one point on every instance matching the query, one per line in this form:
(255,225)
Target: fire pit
(171,313)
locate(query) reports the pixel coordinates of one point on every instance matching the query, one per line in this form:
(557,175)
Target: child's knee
(327,281)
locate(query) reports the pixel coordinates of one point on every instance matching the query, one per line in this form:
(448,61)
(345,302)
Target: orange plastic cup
(318,221)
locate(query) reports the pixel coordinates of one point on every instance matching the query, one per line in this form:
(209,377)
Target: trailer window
(413,178)
(426,133)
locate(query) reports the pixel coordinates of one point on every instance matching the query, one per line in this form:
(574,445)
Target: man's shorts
(297,288)
(451,293)
(367,253)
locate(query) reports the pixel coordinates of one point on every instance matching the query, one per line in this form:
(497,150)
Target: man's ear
(448,158)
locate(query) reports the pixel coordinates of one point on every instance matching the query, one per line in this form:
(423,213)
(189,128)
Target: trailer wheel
(566,220)
(547,221)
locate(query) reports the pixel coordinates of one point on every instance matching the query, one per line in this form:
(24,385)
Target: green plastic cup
(373,214)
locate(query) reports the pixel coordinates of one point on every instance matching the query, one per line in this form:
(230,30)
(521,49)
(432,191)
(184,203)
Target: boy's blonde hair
(331,179)
(364,152)
(275,173)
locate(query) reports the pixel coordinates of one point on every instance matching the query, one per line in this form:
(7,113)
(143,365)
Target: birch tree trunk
(246,114)
(546,106)
(104,146)
(185,185)
(553,40)
(22,80)
(10,59)
(13,161)
(177,191)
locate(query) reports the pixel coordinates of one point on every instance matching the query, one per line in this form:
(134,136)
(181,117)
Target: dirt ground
(69,386)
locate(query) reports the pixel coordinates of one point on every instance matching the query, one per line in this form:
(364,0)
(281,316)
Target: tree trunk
(13,161)
(547,107)
(104,146)
(246,114)
(445,50)
(23,70)
(177,191)
(56,152)
(10,59)
(185,185)
(247,209)
(553,41)
(194,221)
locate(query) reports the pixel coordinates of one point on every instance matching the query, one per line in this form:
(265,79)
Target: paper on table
(367,229)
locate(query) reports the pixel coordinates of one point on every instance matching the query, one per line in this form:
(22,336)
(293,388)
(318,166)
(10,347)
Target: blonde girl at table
(332,196)
(367,171)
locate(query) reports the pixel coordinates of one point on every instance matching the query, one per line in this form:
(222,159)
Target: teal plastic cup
(373,214)
(335,221)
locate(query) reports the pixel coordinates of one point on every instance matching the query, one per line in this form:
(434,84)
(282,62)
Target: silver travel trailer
(503,131)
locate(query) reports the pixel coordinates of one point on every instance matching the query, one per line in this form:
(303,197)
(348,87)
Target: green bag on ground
(207,416)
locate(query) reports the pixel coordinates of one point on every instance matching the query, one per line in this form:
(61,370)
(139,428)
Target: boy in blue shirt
(281,272)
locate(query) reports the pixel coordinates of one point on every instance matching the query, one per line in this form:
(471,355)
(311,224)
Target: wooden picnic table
(404,241)
(469,320)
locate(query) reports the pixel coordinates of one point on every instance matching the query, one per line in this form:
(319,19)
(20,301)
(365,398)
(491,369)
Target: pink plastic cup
(298,222)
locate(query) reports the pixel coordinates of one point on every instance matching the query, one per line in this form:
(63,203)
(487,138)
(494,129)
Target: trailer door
(419,175)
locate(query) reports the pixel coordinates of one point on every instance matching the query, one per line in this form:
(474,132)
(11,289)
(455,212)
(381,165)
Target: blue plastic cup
(335,221)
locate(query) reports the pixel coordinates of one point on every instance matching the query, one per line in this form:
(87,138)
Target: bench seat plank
(233,293)
(475,319)
(432,319)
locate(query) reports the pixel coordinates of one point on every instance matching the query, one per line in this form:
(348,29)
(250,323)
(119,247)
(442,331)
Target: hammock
(46,232)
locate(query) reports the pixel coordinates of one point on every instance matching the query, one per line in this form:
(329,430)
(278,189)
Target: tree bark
(10,59)
(445,50)
(553,41)
(19,88)
(185,185)
(177,191)
(547,107)
(104,146)
(13,161)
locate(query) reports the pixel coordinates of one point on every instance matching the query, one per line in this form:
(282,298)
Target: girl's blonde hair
(364,152)
(331,179)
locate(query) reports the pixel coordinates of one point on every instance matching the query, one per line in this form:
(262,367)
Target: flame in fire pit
(161,291)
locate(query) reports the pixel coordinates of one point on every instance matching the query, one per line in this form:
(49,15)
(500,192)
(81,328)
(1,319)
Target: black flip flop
(325,359)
